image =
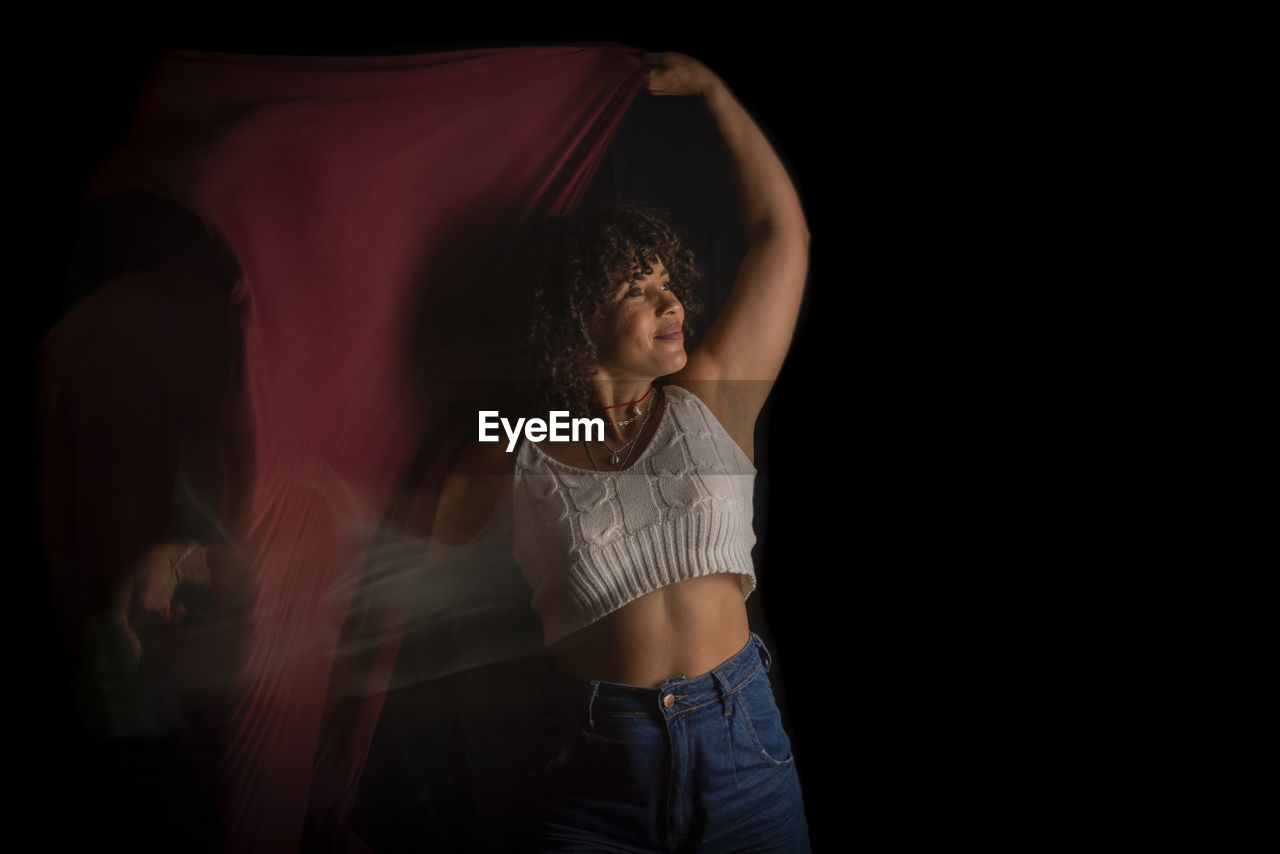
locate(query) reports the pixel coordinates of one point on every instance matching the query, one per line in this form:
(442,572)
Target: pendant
(613,459)
(635,410)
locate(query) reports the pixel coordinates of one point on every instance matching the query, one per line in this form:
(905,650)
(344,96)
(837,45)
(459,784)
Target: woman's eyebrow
(631,283)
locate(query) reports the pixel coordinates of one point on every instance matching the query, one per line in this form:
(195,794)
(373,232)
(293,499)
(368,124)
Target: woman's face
(640,336)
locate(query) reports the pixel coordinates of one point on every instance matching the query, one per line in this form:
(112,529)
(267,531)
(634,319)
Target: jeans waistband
(675,696)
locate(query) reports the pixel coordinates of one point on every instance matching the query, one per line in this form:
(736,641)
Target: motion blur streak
(358,200)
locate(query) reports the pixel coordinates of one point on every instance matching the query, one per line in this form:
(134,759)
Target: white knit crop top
(590,542)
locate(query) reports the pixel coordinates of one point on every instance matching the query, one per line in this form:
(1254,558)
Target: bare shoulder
(734,399)
(476,487)
(730,403)
(484,459)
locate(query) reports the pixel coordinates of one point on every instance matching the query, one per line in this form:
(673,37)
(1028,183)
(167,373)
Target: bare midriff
(683,629)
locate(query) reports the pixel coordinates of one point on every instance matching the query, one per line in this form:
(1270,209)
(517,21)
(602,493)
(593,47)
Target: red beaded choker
(629,402)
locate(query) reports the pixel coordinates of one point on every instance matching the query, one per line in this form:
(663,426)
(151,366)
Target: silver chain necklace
(638,412)
(613,455)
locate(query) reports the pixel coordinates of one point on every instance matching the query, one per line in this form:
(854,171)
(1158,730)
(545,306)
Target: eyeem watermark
(557,428)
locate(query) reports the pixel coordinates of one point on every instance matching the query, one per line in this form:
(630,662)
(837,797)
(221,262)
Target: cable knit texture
(590,542)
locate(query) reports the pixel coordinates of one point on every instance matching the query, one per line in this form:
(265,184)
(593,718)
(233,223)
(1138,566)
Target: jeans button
(669,700)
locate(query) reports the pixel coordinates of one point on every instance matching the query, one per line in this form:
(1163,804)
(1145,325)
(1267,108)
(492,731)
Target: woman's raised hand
(678,74)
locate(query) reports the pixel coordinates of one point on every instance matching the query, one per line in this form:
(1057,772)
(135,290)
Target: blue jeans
(693,765)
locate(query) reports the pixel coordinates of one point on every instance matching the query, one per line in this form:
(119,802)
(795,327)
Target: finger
(156,597)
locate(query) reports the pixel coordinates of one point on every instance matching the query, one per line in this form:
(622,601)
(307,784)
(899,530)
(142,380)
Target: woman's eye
(634,292)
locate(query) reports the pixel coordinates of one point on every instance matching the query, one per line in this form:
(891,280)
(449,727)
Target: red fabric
(336,182)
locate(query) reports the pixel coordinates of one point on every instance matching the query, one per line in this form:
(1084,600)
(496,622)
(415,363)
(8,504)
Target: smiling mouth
(674,333)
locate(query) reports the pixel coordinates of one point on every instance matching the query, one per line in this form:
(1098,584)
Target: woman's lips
(674,333)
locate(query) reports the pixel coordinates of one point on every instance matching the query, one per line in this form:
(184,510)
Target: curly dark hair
(575,266)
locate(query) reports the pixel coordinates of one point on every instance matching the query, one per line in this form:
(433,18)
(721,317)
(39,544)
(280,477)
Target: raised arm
(750,338)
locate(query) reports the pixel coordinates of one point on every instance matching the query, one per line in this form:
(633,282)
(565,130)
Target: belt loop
(765,656)
(726,692)
(595,689)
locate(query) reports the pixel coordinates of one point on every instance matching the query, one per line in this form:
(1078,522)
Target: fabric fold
(350,191)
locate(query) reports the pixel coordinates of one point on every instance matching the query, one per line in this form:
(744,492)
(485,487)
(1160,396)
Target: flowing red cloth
(336,182)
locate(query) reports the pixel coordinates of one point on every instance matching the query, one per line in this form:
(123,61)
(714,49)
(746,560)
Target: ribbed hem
(699,543)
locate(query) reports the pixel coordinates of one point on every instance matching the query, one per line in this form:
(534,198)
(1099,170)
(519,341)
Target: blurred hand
(678,74)
(151,585)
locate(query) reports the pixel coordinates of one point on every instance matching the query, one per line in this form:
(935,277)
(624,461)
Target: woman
(662,729)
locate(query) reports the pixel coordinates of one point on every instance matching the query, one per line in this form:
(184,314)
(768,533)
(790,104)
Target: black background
(816,543)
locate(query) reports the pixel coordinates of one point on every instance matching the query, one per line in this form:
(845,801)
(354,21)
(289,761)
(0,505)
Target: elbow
(796,232)
(802,238)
